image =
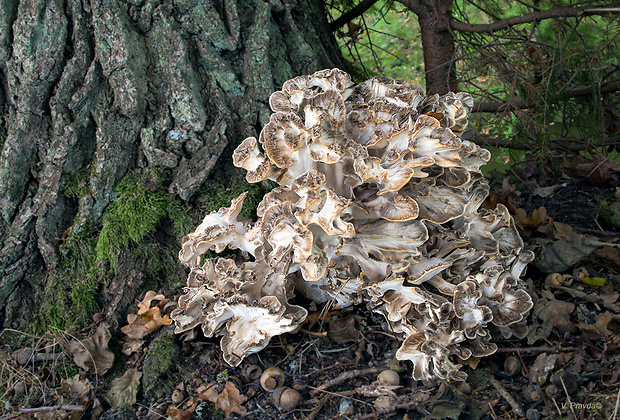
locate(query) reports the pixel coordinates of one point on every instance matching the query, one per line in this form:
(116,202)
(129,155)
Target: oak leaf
(124,390)
(92,354)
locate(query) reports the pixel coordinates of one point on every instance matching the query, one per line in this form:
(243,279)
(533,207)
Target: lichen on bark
(91,91)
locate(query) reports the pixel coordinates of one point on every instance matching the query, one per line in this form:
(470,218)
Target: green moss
(215,196)
(160,365)
(141,205)
(70,293)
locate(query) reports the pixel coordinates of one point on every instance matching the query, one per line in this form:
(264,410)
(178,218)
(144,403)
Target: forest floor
(568,366)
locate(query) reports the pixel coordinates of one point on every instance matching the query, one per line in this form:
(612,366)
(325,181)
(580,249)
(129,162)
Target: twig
(65,407)
(344,394)
(343,377)
(318,408)
(617,405)
(388,410)
(570,403)
(317,334)
(542,349)
(516,407)
(582,413)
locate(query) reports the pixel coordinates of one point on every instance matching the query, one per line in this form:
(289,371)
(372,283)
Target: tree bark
(437,42)
(111,86)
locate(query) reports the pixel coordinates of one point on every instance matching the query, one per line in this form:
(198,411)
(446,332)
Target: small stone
(346,407)
(465,388)
(532,414)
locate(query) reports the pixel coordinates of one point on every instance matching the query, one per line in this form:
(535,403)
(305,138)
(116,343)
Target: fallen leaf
(607,296)
(178,414)
(596,172)
(610,255)
(342,330)
(230,400)
(553,314)
(130,346)
(74,390)
(559,256)
(146,302)
(92,354)
(124,390)
(543,365)
(153,319)
(528,224)
(600,325)
(594,281)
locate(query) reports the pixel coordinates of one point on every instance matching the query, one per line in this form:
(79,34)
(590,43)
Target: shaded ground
(567,367)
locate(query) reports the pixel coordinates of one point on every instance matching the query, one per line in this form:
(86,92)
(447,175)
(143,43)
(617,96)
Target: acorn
(272,378)
(389,377)
(253,372)
(177,396)
(286,398)
(512,366)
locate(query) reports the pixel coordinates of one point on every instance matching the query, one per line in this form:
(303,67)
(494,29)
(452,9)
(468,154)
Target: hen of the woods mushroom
(378,202)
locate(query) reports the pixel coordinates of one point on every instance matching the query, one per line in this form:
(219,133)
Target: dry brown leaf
(563,231)
(74,391)
(124,390)
(92,354)
(543,365)
(146,302)
(552,314)
(528,224)
(596,172)
(342,330)
(607,297)
(208,393)
(154,320)
(136,328)
(130,346)
(185,414)
(230,400)
(600,325)
(610,255)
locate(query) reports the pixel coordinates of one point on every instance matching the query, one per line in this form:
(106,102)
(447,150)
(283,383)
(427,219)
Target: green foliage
(537,62)
(384,41)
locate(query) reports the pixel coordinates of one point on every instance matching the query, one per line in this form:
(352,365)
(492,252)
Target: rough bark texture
(103,87)
(437,42)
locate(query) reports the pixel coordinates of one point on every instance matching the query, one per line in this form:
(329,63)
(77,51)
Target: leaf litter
(569,364)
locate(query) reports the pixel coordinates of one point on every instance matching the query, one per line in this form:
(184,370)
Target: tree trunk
(437,42)
(92,90)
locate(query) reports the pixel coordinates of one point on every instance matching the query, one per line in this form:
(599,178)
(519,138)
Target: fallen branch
(343,377)
(556,12)
(516,407)
(22,411)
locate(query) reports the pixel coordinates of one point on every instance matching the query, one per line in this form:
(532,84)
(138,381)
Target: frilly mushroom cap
(378,202)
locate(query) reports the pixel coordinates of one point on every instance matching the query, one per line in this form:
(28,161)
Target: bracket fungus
(378,202)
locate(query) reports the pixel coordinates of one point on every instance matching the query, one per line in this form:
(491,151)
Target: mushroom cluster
(379,202)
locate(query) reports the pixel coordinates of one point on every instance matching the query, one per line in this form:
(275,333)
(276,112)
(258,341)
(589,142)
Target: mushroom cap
(379,201)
